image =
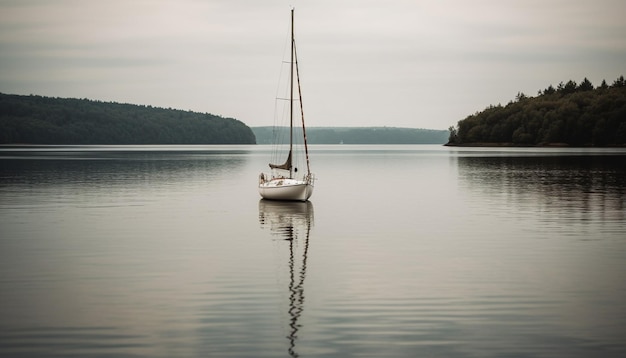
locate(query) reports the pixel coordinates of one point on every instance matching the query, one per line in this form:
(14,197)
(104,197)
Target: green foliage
(585,85)
(572,114)
(44,120)
(361,135)
(452,138)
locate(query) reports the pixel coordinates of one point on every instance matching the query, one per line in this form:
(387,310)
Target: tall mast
(291,95)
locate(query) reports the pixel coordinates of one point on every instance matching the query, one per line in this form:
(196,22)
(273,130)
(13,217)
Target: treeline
(570,114)
(361,135)
(45,120)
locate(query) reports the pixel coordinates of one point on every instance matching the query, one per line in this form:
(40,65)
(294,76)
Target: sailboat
(285,181)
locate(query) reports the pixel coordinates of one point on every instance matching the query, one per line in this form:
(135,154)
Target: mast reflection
(291,221)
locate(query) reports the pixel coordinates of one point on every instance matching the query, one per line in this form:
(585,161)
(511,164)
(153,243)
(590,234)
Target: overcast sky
(402,63)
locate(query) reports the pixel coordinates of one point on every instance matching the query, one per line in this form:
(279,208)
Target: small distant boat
(285,182)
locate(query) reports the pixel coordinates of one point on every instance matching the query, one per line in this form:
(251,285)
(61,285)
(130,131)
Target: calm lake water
(403,251)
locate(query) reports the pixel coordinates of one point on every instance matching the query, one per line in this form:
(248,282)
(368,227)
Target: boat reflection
(292,221)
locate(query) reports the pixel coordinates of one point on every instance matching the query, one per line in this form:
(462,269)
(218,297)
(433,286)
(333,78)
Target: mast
(292,81)
(291,95)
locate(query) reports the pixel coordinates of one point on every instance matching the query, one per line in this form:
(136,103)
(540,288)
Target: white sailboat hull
(286,189)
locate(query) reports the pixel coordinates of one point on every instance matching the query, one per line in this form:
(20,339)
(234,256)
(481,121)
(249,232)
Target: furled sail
(285,166)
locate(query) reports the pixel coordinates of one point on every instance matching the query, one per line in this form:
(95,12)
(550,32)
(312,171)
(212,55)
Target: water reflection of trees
(291,221)
(574,186)
(114,166)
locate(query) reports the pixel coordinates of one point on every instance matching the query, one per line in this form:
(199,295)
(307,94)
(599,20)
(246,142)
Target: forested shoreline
(361,135)
(46,120)
(572,114)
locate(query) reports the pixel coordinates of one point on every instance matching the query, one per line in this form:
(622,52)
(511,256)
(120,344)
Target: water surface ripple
(403,251)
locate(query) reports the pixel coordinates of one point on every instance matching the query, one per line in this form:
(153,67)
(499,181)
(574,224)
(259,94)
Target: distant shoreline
(357,135)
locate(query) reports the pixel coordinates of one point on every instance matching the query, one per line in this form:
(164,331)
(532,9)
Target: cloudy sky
(403,63)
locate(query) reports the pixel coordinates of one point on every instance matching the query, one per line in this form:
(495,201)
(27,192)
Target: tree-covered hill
(571,114)
(361,135)
(45,120)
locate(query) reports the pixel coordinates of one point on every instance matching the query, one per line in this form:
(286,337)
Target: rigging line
(283,61)
(279,133)
(281,68)
(279,115)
